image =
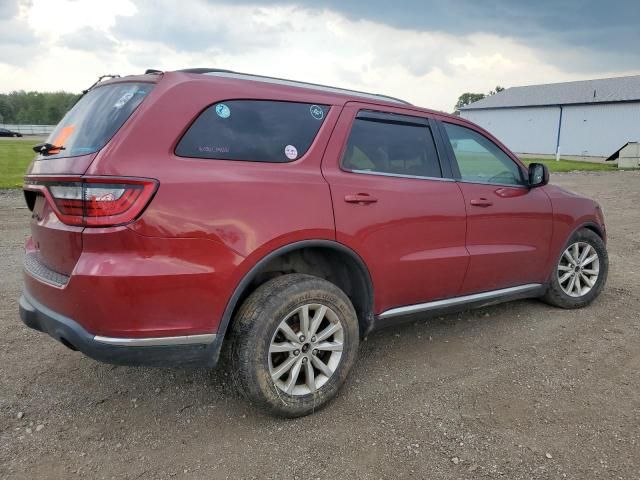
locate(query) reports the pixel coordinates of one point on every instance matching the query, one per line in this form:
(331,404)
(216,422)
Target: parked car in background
(9,133)
(177,215)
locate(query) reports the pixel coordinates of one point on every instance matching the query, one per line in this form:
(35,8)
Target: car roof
(337,94)
(214,72)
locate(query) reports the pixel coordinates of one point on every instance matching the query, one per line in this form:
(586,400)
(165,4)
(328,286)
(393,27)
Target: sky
(425,51)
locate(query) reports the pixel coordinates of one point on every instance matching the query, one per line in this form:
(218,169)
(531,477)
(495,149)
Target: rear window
(253,130)
(97,116)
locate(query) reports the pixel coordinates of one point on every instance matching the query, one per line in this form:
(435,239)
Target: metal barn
(586,118)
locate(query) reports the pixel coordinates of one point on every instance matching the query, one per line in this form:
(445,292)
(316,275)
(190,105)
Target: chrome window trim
(204,339)
(397,175)
(456,301)
(495,184)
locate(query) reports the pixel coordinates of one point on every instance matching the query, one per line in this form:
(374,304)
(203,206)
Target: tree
(468,98)
(41,108)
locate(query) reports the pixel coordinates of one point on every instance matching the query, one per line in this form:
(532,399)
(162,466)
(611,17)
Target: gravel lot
(520,390)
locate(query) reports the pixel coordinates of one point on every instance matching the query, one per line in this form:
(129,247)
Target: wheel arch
(360,290)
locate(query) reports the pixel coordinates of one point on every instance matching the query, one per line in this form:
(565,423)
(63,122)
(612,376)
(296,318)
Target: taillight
(95,201)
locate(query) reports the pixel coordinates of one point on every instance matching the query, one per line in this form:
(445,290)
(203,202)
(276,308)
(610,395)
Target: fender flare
(250,275)
(588,224)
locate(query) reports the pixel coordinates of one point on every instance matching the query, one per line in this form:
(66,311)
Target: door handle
(361,198)
(481,202)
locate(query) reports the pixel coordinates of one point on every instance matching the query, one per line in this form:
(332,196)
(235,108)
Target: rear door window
(401,149)
(97,116)
(253,130)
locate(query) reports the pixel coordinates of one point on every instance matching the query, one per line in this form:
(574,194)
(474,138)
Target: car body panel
(508,241)
(419,224)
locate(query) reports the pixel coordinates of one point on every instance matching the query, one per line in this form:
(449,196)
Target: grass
(571,165)
(15,155)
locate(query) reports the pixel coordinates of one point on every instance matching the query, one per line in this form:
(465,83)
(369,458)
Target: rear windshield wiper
(46,148)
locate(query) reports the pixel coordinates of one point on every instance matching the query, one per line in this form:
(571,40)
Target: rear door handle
(361,198)
(481,202)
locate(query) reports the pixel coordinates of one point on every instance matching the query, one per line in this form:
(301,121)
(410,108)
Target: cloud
(89,39)
(18,42)
(605,30)
(428,52)
(200,27)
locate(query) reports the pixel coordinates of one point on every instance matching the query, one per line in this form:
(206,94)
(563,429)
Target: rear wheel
(294,341)
(580,272)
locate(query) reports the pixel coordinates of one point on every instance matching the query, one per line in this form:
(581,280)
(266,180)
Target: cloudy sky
(426,51)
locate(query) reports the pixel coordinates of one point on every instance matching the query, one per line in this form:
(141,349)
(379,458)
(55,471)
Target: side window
(253,130)
(388,147)
(480,160)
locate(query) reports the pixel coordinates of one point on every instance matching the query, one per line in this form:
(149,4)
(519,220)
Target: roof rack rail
(294,83)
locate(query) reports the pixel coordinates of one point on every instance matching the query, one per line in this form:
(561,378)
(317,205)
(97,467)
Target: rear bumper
(181,351)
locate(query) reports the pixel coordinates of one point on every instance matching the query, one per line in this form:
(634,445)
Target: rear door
(508,224)
(394,206)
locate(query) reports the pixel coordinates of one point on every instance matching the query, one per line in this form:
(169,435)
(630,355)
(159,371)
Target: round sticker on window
(291,152)
(223,111)
(316,112)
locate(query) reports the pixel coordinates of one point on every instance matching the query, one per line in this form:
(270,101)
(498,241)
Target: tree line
(38,108)
(468,98)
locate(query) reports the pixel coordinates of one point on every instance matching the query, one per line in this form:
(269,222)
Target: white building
(587,118)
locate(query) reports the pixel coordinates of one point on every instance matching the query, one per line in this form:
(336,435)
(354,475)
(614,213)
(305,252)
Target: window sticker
(62,137)
(223,111)
(291,152)
(316,112)
(123,100)
(212,149)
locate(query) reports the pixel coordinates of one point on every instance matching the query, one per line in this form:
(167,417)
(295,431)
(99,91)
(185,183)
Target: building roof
(604,90)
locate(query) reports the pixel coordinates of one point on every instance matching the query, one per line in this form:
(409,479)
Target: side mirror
(538,175)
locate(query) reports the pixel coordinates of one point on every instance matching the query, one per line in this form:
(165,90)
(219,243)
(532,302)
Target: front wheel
(294,341)
(580,273)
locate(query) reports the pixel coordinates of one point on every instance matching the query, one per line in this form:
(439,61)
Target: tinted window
(397,148)
(254,130)
(480,160)
(97,116)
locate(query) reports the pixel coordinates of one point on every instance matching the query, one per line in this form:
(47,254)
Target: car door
(509,225)
(393,205)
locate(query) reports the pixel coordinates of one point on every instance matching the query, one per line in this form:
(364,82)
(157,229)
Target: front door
(393,206)
(509,225)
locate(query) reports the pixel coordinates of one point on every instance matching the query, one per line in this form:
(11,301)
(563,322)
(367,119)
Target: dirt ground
(520,390)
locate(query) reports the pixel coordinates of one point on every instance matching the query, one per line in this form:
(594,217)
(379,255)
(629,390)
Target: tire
(258,330)
(557,294)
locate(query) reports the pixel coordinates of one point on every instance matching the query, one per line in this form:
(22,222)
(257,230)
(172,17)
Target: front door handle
(360,198)
(481,202)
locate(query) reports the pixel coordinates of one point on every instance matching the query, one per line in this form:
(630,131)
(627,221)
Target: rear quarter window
(253,130)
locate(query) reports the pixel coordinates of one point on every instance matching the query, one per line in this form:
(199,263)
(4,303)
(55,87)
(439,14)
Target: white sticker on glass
(291,152)
(124,99)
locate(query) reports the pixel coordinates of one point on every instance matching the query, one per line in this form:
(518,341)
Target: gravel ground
(519,390)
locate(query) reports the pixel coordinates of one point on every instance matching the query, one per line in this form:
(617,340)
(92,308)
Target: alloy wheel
(578,269)
(306,349)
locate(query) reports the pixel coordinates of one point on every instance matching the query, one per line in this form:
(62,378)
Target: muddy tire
(580,272)
(293,343)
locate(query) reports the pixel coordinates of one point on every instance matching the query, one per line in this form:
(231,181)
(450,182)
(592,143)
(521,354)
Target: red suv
(176,213)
